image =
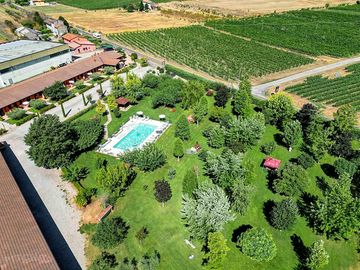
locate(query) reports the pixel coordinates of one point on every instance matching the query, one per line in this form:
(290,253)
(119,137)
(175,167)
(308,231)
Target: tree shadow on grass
(237,232)
(322,184)
(302,252)
(329,170)
(278,137)
(272,175)
(268,206)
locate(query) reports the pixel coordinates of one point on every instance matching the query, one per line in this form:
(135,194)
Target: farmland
(218,54)
(315,32)
(335,92)
(103,4)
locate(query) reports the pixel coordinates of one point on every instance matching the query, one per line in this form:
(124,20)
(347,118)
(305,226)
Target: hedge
(66,99)
(75,116)
(22,120)
(47,108)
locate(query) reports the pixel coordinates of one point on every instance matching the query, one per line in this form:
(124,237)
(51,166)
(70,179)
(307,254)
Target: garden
(200,195)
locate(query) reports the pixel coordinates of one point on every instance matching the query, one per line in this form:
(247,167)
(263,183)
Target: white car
(96,35)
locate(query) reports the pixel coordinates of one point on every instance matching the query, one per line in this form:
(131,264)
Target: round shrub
(283,214)
(17,114)
(257,244)
(305,160)
(268,148)
(37,104)
(110,232)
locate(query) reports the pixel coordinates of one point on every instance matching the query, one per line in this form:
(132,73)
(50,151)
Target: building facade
(57,27)
(78,44)
(22,59)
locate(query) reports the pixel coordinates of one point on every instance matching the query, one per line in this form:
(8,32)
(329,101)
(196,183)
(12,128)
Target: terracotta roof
(73,45)
(69,36)
(22,245)
(122,101)
(34,85)
(82,41)
(104,212)
(272,163)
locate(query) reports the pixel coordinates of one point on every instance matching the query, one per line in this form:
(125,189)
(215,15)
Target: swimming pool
(135,137)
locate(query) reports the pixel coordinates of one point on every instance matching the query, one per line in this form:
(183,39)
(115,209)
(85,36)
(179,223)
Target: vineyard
(355,8)
(101,4)
(218,54)
(315,32)
(335,92)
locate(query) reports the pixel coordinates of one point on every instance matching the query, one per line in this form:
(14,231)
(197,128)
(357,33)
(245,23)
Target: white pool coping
(108,147)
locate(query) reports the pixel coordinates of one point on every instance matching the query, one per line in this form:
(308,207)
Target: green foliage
(190,183)
(345,119)
(100,107)
(162,191)
(117,85)
(293,180)
(110,232)
(105,261)
(133,56)
(209,211)
(305,160)
(116,112)
(56,92)
(150,80)
(52,143)
(95,77)
(178,149)
(215,136)
(279,109)
(217,114)
(115,179)
(241,195)
(224,169)
(142,234)
(343,166)
(182,129)
(149,158)
(168,92)
(338,213)
(318,257)
(88,132)
(283,215)
(17,114)
(257,244)
(268,148)
(133,88)
(150,261)
(191,94)
(201,109)
(109,70)
(292,133)
(222,96)
(111,102)
(217,250)
(73,173)
(242,102)
(80,85)
(37,104)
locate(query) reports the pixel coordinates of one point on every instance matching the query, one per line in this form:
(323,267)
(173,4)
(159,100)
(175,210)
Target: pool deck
(109,146)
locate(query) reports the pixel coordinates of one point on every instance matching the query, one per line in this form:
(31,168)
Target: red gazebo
(272,163)
(123,102)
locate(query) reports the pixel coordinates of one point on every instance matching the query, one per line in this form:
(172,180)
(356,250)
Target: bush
(150,80)
(344,166)
(305,160)
(283,214)
(89,133)
(116,112)
(182,129)
(2,131)
(56,91)
(215,136)
(293,180)
(37,104)
(257,244)
(217,114)
(148,158)
(17,114)
(47,108)
(80,85)
(109,70)
(24,120)
(268,148)
(110,232)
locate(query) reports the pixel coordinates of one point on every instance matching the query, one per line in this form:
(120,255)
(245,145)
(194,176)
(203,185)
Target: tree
(217,250)
(222,96)
(318,257)
(190,183)
(208,212)
(37,104)
(52,143)
(345,119)
(111,102)
(305,160)
(105,261)
(306,114)
(257,244)
(178,149)
(117,84)
(56,91)
(162,191)
(292,133)
(115,179)
(66,23)
(74,174)
(142,234)
(100,107)
(133,85)
(241,194)
(283,214)
(88,133)
(215,136)
(279,109)
(242,104)
(182,129)
(293,180)
(343,166)
(192,93)
(110,233)
(133,56)
(338,213)
(201,109)
(150,80)
(149,158)
(17,114)
(150,261)
(245,85)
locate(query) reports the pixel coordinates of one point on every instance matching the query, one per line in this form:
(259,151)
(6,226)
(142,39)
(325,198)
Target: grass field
(217,54)
(167,231)
(101,4)
(315,32)
(335,92)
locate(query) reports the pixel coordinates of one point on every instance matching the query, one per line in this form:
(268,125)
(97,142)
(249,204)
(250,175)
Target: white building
(22,59)
(24,32)
(57,27)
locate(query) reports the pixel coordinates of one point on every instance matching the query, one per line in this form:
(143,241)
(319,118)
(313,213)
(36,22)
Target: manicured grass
(167,231)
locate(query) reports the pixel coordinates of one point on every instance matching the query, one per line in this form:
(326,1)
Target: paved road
(260,90)
(54,193)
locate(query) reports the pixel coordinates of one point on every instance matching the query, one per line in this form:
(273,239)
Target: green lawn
(167,231)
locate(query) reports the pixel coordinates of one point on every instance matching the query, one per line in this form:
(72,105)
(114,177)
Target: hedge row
(75,116)
(22,120)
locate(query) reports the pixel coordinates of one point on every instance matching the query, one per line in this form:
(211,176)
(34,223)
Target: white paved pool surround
(109,147)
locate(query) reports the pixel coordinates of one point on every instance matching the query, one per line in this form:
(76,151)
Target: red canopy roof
(122,101)
(272,163)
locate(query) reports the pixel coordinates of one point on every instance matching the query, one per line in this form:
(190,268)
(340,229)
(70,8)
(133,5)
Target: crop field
(218,54)
(101,4)
(315,32)
(354,8)
(335,92)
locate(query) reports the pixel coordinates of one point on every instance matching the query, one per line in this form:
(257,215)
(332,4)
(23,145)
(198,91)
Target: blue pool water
(135,137)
